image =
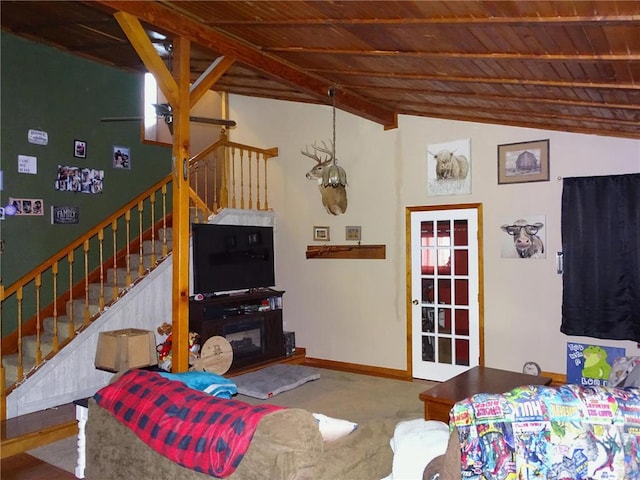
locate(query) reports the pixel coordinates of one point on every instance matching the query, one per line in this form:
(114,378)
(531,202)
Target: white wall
(354,310)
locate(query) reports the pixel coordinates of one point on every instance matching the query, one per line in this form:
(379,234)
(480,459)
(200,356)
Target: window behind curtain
(601,245)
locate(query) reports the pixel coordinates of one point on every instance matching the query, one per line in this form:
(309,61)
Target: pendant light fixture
(334,176)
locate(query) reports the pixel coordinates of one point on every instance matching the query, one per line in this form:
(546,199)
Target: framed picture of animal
(524,237)
(449,168)
(523,162)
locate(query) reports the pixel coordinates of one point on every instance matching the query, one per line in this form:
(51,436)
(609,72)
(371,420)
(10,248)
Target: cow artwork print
(449,168)
(524,238)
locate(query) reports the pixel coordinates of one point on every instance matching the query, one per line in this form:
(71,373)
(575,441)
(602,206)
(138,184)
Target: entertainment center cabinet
(250,321)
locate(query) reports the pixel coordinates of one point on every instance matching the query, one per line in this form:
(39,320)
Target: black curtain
(601,246)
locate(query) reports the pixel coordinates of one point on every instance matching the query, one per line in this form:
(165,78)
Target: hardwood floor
(29,431)
(25,432)
(25,467)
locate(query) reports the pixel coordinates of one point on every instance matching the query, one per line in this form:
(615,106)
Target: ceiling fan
(165,111)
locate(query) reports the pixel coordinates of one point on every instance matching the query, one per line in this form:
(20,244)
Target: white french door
(445,288)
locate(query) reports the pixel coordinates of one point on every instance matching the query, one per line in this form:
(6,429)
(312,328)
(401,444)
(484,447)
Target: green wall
(46,89)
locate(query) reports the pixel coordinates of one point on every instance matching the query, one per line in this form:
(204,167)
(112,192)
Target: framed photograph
(523,162)
(321,234)
(121,157)
(352,233)
(80,149)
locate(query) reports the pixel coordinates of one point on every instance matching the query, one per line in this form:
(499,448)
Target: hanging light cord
(332,92)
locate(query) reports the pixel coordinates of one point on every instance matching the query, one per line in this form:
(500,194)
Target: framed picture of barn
(449,168)
(523,162)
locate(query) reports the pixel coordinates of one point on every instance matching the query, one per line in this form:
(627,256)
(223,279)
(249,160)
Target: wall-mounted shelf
(347,251)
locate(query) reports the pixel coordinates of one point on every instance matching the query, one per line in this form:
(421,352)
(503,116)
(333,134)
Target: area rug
(270,381)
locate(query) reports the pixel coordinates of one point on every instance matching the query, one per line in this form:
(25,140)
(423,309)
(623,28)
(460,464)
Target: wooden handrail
(224,142)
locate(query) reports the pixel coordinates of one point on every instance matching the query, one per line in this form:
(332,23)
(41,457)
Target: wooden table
(439,400)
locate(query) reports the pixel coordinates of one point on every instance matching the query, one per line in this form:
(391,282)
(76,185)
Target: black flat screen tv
(231,257)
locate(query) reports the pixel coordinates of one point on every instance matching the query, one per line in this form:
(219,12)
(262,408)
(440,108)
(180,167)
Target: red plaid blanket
(204,433)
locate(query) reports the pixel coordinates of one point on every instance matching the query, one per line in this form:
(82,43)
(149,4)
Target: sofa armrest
(286,446)
(447,465)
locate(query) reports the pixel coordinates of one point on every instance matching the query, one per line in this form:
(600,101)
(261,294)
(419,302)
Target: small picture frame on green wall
(121,157)
(80,149)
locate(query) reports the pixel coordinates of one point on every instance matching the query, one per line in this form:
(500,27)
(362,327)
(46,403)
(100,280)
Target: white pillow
(415,443)
(333,428)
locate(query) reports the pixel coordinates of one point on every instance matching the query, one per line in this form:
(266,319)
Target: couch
(286,444)
(569,432)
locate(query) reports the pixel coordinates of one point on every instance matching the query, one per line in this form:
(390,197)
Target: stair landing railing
(229,175)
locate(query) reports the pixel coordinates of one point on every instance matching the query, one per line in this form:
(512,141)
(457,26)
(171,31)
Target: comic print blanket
(536,432)
(207,434)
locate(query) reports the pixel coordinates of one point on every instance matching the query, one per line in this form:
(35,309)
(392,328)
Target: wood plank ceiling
(561,65)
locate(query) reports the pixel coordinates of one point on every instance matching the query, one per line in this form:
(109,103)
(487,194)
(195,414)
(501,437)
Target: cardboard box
(120,350)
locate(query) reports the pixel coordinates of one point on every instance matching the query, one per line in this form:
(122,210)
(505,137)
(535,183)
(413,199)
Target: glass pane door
(444,263)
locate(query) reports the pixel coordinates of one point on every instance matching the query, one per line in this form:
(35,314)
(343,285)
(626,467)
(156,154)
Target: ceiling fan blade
(168,118)
(214,121)
(120,119)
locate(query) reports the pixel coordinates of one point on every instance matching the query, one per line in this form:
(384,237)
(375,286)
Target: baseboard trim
(357,368)
(556,378)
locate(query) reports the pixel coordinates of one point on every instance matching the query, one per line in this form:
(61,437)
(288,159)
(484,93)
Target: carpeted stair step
(10,363)
(134,260)
(120,275)
(148,247)
(95,291)
(79,308)
(62,324)
(29,343)
(166,232)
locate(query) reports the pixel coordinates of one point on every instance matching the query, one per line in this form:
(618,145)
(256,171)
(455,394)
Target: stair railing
(83,271)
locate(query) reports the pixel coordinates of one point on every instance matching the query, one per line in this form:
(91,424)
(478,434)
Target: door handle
(415,302)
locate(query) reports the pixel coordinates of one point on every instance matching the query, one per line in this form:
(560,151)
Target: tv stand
(250,321)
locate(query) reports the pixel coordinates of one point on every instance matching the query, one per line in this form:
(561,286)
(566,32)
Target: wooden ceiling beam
(142,45)
(438,107)
(494,98)
(542,124)
(506,81)
(167,19)
(208,78)
(521,21)
(580,57)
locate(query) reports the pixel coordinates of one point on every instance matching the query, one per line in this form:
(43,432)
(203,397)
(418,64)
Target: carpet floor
(62,454)
(337,394)
(353,397)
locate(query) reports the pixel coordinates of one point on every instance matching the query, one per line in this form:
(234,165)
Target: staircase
(100,296)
